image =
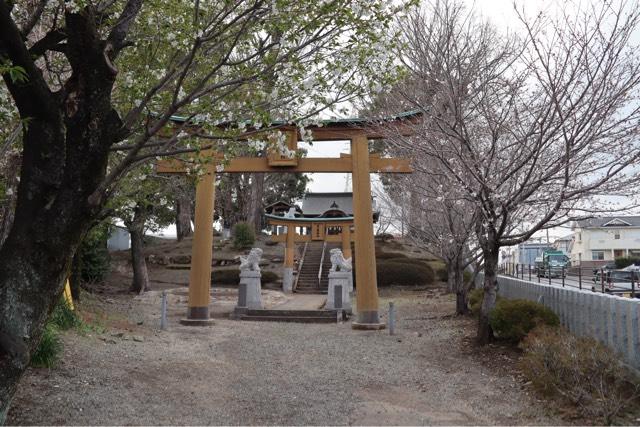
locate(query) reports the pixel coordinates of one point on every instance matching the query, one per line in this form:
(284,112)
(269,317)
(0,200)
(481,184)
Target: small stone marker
(392,318)
(163,311)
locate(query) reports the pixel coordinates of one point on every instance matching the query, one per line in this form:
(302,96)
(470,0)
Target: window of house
(616,234)
(597,255)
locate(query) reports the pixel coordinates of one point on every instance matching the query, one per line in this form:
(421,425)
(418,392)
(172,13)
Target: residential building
(525,253)
(563,244)
(598,241)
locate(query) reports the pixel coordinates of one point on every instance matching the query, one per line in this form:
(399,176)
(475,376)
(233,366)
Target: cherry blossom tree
(95,84)
(528,131)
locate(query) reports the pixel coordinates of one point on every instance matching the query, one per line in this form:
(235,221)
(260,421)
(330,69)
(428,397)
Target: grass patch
(49,348)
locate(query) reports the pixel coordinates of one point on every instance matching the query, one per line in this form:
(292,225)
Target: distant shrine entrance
(324,222)
(360,163)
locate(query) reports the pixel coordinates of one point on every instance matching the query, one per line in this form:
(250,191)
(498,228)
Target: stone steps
(298,316)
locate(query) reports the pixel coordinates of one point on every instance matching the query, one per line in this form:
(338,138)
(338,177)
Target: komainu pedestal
(339,295)
(250,289)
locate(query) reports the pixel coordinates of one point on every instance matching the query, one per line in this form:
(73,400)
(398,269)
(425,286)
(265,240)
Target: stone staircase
(308,275)
(297,316)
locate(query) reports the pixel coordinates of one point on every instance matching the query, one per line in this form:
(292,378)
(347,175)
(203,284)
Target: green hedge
(403,273)
(513,319)
(625,262)
(390,255)
(232,277)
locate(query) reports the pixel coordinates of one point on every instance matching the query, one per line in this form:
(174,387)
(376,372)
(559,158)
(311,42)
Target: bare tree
(529,130)
(442,225)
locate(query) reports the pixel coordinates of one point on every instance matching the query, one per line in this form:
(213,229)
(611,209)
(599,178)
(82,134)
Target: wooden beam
(306,165)
(282,238)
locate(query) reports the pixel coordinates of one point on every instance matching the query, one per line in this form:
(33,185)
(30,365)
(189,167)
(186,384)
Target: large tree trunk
(455,284)
(10,170)
(75,278)
(66,142)
(254,215)
(140,274)
(183,215)
(491,252)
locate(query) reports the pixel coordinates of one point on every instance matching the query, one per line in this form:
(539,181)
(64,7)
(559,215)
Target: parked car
(616,281)
(607,267)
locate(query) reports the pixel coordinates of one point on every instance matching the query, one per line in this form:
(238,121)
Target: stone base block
(367,326)
(340,280)
(250,290)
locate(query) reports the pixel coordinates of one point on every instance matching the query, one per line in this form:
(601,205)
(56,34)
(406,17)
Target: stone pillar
(251,279)
(201,252)
(289,259)
(365,262)
(342,279)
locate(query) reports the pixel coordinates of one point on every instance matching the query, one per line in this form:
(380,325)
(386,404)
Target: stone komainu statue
(338,262)
(252,261)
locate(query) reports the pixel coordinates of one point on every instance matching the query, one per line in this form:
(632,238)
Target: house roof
(315,204)
(610,221)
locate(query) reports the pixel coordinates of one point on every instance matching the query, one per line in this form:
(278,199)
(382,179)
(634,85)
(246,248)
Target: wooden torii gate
(360,163)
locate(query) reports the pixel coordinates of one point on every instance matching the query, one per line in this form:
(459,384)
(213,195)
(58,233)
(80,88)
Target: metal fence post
(549,274)
(163,311)
(562,272)
(633,284)
(602,279)
(579,277)
(529,272)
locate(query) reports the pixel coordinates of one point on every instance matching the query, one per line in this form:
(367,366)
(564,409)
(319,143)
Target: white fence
(610,319)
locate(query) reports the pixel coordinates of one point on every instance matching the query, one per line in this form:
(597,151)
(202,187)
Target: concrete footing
(367,321)
(197,316)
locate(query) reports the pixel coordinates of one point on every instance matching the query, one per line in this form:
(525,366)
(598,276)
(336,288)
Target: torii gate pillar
(366,283)
(202,251)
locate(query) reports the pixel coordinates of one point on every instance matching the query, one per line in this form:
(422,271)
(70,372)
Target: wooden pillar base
(367,321)
(197,316)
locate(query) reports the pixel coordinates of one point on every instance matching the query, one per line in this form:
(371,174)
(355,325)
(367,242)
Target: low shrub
(269,277)
(579,371)
(392,272)
(385,237)
(390,255)
(626,261)
(475,300)
(63,317)
(49,348)
(232,277)
(92,257)
(467,276)
(513,319)
(243,235)
(442,274)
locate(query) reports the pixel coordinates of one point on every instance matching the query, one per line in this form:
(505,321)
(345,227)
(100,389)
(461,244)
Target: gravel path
(277,373)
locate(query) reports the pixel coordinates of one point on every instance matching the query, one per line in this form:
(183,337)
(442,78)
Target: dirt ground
(124,370)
